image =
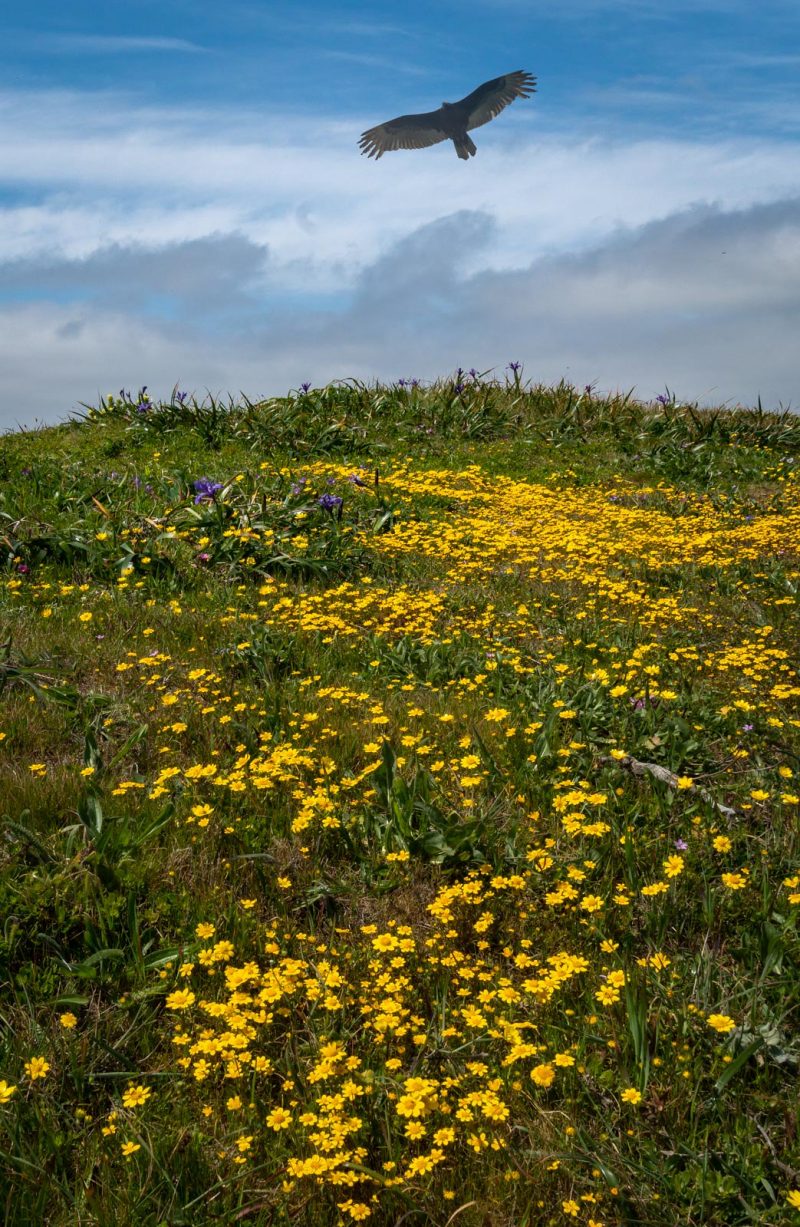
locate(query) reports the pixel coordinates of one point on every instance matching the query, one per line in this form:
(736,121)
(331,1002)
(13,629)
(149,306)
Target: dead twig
(667,777)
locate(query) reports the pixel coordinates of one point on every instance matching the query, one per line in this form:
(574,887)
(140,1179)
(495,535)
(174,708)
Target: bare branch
(667,777)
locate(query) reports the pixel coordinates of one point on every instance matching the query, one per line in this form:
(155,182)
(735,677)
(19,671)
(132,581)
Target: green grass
(373,717)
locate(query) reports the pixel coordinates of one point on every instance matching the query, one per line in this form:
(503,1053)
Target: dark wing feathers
(417,131)
(489,99)
(405,132)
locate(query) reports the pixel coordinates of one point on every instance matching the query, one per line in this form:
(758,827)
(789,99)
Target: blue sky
(182,198)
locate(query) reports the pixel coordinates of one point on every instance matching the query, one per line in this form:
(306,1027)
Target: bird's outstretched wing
(489,99)
(405,132)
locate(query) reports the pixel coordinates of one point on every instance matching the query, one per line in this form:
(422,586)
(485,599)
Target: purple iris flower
(514,366)
(662,399)
(473,374)
(297,488)
(356,480)
(681,845)
(747,728)
(304,387)
(459,388)
(401,383)
(206,489)
(330,502)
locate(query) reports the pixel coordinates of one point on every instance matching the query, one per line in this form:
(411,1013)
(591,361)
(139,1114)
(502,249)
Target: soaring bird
(453,119)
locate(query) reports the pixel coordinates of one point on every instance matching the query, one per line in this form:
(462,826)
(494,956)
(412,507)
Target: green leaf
(735,1065)
(155,826)
(134,739)
(86,968)
(159,957)
(18,829)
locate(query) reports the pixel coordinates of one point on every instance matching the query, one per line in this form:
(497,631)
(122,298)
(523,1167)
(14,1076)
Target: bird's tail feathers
(465,147)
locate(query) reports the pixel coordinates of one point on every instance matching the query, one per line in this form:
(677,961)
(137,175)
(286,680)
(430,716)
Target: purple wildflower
(514,366)
(401,383)
(458,389)
(304,387)
(662,399)
(330,502)
(356,480)
(681,845)
(747,728)
(181,397)
(297,488)
(473,374)
(206,489)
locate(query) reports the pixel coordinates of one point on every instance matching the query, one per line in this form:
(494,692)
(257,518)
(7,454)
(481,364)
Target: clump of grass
(399,810)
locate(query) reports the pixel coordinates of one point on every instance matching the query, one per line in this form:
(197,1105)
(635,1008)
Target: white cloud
(109,44)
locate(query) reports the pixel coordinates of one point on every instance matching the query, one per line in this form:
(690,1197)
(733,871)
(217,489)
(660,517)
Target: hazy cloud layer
(706,301)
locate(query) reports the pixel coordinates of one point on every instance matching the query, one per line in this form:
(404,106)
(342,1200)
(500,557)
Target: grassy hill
(400,793)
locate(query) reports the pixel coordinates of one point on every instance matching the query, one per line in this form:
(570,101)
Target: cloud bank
(706,301)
